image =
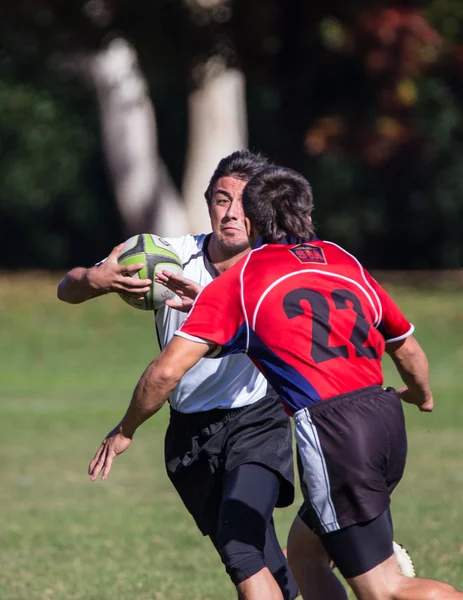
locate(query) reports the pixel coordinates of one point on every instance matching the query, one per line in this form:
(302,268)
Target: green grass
(66,376)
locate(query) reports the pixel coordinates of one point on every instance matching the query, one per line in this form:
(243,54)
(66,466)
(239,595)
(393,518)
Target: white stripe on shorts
(315,471)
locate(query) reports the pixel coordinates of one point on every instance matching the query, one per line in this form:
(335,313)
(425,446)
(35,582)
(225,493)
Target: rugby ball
(156,254)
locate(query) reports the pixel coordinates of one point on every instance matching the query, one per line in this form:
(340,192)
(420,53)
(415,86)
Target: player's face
(227,216)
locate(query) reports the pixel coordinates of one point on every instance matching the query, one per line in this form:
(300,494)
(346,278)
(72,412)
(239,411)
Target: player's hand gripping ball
(156,254)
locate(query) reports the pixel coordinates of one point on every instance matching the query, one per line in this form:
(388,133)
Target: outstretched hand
(115,443)
(185,289)
(110,276)
(424,402)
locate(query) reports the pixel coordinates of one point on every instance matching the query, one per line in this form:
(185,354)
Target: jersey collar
(211,269)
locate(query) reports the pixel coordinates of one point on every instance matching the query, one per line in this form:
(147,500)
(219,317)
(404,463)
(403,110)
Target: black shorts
(353,450)
(200,448)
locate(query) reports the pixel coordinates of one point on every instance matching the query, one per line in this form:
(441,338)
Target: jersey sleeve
(393,325)
(217,316)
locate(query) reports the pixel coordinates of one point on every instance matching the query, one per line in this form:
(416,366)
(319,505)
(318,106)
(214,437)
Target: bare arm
(152,390)
(77,286)
(82,284)
(412,365)
(160,379)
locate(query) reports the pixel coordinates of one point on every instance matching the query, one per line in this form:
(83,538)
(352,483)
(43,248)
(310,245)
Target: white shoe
(405,562)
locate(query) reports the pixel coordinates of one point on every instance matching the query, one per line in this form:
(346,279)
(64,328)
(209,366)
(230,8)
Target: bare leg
(386,582)
(261,586)
(310,565)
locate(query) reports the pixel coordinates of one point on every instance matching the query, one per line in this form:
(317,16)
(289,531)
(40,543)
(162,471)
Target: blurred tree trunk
(217,127)
(145,193)
(216,104)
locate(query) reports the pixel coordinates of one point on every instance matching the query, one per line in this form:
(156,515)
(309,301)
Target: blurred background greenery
(364,98)
(113,115)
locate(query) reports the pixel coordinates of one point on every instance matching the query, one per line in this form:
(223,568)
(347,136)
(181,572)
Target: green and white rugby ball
(156,254)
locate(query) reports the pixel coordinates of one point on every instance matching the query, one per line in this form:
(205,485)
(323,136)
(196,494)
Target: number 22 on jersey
(343,301)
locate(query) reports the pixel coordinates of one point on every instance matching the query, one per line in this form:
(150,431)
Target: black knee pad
(245,537)
(241,559)
(241,540)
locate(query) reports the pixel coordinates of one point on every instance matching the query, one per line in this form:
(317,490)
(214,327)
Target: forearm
(78,286)
(412,365)
(159,380)
(149,397)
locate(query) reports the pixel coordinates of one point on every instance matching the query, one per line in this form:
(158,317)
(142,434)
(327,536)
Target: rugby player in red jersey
(317,325)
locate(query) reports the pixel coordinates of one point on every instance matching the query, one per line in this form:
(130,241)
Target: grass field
(66,376)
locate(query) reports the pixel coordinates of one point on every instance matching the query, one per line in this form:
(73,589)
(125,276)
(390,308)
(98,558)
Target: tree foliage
(363,98)
(54,196)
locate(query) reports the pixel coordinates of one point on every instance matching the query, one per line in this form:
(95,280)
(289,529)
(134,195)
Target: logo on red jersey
(306,253)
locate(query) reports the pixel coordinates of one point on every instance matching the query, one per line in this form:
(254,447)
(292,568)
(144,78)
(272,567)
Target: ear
(251,231)
(249,227)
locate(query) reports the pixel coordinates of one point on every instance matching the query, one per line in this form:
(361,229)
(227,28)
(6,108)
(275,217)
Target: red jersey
(308,315)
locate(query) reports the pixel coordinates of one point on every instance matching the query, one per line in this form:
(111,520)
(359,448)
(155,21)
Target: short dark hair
(242,164)
(279,202)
